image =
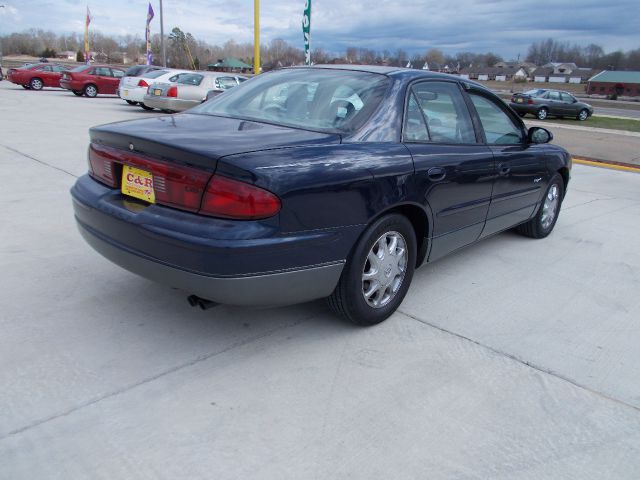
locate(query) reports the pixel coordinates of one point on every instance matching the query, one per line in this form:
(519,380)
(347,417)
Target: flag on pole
(87,54)
(306,31)
(147,34)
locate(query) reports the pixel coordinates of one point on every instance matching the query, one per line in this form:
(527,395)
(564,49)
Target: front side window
(499,129)
(310,98)
(567,98)
(443,109)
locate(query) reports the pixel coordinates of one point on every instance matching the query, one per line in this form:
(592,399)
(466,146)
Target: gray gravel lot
(513,359)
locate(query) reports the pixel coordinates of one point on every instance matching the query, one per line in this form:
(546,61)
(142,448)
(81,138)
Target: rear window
(154,73)
(309,98)
(190,79)
(135,71)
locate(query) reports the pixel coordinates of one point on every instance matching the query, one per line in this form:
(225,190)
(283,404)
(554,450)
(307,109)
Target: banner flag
(87,54)
(306,31)
(147,34)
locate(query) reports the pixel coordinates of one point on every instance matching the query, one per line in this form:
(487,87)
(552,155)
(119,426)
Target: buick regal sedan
(317,182)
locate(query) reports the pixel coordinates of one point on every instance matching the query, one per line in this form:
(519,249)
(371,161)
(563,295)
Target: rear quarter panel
(328,186)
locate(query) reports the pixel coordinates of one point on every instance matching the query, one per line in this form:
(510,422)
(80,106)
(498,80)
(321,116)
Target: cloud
(503,26)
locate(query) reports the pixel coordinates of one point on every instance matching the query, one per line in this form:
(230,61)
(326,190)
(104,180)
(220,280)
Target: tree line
(186,51)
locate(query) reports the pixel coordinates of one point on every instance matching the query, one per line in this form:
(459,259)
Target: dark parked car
(317,182)
(543,103)
(91,80)
(38,75)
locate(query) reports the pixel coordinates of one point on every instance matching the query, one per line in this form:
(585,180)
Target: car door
(56,73)
(569,104)
(520,166)
(555,103)
(46,76)
(453,170)
(101,78)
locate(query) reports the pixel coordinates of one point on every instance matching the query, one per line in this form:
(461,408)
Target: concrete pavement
(513,359)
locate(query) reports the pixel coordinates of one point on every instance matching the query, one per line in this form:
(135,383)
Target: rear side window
(225,83)
(154,73)
(499,129)
(117,73)
(81,68)
(444,113)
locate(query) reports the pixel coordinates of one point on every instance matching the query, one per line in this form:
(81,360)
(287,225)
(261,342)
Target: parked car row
(147,86)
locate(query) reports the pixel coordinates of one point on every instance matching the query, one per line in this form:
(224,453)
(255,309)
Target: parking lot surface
(512,359)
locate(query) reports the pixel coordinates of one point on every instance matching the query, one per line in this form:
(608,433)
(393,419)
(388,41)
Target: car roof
(410,73)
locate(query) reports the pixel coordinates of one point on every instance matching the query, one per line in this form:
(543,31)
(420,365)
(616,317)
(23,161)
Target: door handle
(504,169)
(436,173)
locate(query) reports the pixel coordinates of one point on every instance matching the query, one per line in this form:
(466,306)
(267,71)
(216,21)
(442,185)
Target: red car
(37,75)
(90,80)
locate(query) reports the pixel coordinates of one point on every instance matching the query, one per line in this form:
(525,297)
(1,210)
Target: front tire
(542,113)
(521,114)
(583,115)
(131,102)
(77,93)
(546,217)
(36,84)
(145,107)
(26,87)
(91,90)
(378,272)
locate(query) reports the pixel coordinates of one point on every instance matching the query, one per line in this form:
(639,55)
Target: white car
(133,89)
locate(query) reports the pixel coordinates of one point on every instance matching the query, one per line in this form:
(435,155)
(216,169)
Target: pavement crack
(41,162)
(152,378)
(517,359)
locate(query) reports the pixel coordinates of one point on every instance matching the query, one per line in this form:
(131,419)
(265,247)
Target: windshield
(313,99)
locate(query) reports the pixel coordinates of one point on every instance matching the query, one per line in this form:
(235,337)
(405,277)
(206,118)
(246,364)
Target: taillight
(101,167)
(175,185)
(530,101)
(229,198)
(185,187)
(173,91)
(142,83)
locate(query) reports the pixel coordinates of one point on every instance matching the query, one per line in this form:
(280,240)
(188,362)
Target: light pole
(162,47)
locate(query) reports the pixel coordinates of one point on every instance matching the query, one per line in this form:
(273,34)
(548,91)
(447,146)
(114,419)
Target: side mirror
(539,135)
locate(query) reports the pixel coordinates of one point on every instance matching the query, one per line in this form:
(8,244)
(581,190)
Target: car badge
(131,147)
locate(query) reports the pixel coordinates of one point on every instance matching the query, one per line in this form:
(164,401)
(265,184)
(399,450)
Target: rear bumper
(71,85)
(230,262)
(134,94)
(167,103)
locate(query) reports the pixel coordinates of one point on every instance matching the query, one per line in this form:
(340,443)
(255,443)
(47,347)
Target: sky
(506,27)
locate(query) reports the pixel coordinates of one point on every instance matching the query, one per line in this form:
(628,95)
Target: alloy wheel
(384,269)
(550,206)
(582,116)
(91,91)
(36,84)
(542,113)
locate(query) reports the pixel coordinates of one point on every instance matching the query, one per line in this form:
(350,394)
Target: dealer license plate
(157,91)
(138,183)
(519,100)
(125,93)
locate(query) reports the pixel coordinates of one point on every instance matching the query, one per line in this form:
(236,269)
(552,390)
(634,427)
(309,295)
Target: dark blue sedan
(317,182)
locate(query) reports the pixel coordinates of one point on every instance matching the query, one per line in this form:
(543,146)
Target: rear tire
(583,115)
(91,90)
(542,114)
(131,102)
(378,272)
(521,114)
(36,84)
(545,218)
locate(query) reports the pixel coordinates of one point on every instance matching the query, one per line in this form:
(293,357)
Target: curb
(610,164)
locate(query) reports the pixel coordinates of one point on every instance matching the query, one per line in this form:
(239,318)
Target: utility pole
(256,37)
(162,46)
